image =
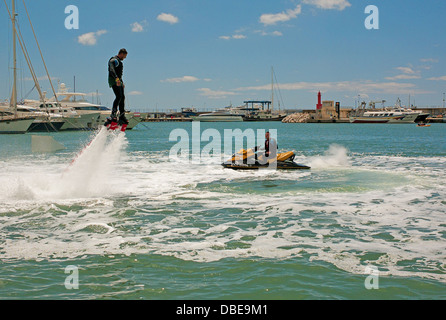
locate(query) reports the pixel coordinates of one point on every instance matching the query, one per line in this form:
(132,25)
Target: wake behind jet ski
(251,159)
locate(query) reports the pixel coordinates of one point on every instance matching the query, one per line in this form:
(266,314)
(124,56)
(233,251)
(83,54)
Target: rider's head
(122,54)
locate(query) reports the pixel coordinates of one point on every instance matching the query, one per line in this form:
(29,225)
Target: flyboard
(114,125)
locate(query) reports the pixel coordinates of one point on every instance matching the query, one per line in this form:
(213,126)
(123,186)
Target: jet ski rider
(269,151)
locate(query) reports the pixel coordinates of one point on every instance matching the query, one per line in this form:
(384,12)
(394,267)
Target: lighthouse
(319,101)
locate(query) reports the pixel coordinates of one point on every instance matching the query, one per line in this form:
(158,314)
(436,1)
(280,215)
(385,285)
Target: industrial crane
(372,103)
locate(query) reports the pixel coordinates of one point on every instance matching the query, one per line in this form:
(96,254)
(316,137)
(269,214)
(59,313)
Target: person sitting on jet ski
(269,152)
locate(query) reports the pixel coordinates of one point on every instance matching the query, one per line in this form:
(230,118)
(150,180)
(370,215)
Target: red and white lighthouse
(319,101)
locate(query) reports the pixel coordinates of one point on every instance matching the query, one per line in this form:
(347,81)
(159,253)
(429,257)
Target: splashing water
(335,156)
(353,209)
(89,175)
(92,171)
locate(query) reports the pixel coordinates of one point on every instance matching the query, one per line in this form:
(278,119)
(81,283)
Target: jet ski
(249,160)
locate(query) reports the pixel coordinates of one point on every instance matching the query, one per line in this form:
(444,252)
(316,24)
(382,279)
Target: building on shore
(325,112)
(328,111)
(332,112)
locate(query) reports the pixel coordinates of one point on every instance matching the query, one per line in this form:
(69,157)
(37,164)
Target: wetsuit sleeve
(113,63)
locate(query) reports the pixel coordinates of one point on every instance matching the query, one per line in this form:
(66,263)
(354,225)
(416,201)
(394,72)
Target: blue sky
(210,53)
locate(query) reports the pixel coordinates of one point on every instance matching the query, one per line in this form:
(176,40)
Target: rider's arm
(112,65)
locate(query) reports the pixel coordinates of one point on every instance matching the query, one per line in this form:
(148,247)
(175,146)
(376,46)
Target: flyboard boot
(123,122)
(112,122)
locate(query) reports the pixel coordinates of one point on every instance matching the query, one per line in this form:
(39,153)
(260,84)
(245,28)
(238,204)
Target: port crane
(373,103)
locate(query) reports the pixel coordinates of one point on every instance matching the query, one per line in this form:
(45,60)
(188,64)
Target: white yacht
(44,121)
(78,102)
(46,116)
(393,115)
(218,116)
(9,124)
(72,121)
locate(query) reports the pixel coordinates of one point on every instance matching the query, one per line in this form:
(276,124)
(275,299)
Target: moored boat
(78,102)
(392,115)
(13,125)
(218,116)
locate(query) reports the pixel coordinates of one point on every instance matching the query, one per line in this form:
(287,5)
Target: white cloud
(429,60)
(443,78)
(408,73)
(167,17)
(138,26)
(135,93)
(215,94)
(181,79)
(235,36)
(329,4)
(404,77)
(239,36)
(90,38)
(274,18)
(406,70)
(346,86)
(274,33)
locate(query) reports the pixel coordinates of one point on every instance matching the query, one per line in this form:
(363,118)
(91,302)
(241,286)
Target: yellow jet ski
(248,160)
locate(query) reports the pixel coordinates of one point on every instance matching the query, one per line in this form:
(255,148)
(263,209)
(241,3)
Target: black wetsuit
(115,71)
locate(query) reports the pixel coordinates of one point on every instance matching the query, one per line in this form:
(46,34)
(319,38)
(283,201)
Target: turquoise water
(137,224)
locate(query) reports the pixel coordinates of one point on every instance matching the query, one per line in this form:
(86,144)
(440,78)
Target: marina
(172,169)
(325,112)
(50,115)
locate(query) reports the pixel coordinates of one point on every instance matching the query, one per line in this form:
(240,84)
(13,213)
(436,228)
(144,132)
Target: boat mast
(74,88)
(272,89)
(13,102)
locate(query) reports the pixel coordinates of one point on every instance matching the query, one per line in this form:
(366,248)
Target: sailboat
(10,122)
(263,110)
(51,115)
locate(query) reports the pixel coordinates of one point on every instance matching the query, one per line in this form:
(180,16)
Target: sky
(210,54)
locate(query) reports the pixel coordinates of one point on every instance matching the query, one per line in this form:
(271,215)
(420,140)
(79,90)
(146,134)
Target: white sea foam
(351,211)
(335,156)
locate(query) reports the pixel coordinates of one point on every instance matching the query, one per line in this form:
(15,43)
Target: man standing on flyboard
(115,71)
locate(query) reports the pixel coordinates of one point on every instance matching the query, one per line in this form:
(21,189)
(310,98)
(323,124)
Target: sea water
(368,221)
